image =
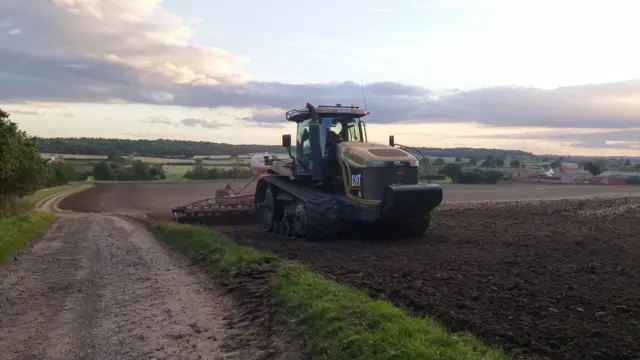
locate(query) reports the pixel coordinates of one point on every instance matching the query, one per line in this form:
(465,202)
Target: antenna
(363,96)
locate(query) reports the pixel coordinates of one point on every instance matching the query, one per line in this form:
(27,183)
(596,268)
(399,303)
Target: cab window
(304,144)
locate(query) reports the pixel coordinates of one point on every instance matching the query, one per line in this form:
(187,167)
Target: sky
(542,76)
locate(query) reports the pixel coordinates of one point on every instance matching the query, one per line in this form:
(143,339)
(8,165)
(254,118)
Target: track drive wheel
(301,219)
(311,222)
(414,226)
(270,211)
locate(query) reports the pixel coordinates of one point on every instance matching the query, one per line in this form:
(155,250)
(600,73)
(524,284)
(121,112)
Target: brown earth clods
(551,279)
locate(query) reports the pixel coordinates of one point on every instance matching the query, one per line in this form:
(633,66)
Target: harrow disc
(234,210)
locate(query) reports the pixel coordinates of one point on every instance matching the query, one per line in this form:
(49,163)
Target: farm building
(561,176)
(614,177)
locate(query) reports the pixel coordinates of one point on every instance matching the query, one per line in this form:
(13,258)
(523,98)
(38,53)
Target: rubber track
(319,205)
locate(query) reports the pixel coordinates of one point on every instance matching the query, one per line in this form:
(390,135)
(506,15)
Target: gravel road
(101,287)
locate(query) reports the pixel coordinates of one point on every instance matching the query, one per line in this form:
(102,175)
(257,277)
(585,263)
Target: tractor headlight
(414,163)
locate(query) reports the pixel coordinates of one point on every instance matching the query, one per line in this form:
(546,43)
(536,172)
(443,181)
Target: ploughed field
(557,279)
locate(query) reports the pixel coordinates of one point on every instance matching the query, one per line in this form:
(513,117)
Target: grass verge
(33,199)
(18,229)
(332,321)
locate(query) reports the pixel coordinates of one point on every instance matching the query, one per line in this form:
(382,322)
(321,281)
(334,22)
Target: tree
(140,170)
(113,155)
(499,162)
(458,159)
(489,161)
(556,164)
(627,162)
(454,171)
(21,167)
(593,168)
(438,162)
(515,163)
(102,171)
(473,161)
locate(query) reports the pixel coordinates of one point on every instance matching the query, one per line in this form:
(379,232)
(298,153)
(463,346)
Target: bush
(121,169)
(492,176)
(634,180)
(476,176)
(57,174)
(471,177)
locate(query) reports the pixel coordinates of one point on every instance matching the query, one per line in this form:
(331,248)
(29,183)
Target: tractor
(337,180)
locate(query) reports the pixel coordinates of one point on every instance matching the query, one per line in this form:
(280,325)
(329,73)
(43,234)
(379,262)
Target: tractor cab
(334,125)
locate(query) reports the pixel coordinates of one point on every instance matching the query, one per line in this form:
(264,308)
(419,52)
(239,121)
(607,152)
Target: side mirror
(286,141)
(392,141)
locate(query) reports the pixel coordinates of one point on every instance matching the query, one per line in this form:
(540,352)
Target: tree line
(188,149)
(151,148)
(22,170)
(120,168)
(200,172)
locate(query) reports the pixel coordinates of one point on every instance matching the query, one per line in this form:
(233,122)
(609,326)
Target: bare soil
(156,200)
(551,279)
(101,287)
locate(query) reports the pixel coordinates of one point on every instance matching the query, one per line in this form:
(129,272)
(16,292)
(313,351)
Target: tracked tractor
(336,180)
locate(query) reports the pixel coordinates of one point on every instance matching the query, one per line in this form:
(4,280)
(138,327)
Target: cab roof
(337,110)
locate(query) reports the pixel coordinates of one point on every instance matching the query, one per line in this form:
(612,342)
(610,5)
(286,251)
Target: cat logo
(355,181)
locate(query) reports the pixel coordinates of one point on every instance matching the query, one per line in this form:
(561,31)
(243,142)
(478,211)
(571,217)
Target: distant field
(215,159)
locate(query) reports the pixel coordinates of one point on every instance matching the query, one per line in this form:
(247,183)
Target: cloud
(597,138)
(207,124)
(138,34)
(26,112)
(134,51)
(157,120)
(266,117)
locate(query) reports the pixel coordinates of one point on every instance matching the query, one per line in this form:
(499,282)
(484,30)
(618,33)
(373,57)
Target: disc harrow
(226,208)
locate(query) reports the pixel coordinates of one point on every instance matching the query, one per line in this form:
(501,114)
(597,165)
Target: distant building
(612,177)
(560,176)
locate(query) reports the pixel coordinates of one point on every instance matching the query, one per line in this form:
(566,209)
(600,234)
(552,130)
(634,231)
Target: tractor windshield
(348,129)
(340,128)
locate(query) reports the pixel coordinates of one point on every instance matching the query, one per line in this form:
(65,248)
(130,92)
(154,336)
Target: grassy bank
(33,199)
(331,320)
(18,229)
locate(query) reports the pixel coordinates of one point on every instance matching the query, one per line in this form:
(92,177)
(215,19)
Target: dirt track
(558,279)
(101,287)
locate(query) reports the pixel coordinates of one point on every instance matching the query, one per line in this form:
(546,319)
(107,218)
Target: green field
(177,171)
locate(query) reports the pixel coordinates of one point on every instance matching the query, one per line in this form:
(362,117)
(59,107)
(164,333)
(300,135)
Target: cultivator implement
(228,207)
